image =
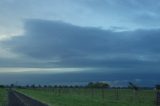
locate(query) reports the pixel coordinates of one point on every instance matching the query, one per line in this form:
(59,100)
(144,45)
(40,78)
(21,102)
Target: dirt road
(19,99)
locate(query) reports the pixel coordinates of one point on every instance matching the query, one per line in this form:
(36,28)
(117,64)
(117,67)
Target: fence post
(158,98)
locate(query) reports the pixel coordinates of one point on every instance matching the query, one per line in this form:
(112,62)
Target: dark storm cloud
(64,45)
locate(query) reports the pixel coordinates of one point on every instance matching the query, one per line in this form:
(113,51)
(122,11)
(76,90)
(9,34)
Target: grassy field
(92,97)
(3,97)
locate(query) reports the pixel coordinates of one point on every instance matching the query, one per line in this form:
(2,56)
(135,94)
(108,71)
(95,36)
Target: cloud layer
(110,36)
(57,44)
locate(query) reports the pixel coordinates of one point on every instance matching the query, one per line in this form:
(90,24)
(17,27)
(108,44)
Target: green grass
(90,97)
(3,97)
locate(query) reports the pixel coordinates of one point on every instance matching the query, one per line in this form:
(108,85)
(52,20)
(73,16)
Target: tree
(12,85)
(39,86)
(45,86)
(135,89)
(133,86)
(158,87)
(2,86)
(55,86)
(27,86)
(33,86)
(98,85)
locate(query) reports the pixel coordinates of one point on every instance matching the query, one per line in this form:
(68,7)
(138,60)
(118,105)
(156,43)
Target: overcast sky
(93,36)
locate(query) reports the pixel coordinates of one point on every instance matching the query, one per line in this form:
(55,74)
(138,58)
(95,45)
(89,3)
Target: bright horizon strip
(40,70)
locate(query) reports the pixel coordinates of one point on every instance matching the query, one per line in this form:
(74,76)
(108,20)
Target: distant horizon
(75,78)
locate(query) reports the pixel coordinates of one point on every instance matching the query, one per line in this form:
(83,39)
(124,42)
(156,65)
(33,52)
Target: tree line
(89,85)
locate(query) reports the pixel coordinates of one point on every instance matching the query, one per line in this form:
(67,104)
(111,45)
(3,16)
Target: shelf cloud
(59,44)
(93,36)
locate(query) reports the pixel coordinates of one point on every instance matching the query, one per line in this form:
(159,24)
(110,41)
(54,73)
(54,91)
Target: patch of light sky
(41,70)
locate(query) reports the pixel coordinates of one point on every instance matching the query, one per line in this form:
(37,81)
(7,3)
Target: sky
(52,41)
